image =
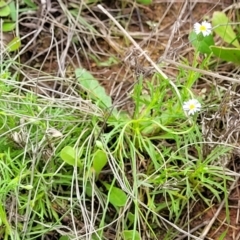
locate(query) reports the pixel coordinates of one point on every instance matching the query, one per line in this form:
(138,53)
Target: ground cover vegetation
(119,120)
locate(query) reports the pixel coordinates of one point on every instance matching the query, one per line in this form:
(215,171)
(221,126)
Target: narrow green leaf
(4,219)
(99,160)
(223,235)
(131,235)
(109,62)
(68,155)
(4,9)
(227,54)
(117,197)
(225,30)
(14,45)
(96,91)
(30,3)
(8,26)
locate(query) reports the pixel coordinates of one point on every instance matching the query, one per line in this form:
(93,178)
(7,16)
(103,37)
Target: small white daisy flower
(205,28)
(192,106)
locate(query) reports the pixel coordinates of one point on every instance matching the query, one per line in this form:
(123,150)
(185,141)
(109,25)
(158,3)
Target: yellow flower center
(192,106)
(203,28)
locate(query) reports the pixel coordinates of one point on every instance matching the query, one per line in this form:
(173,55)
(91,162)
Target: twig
(194,229)
(174,29)
(200,71)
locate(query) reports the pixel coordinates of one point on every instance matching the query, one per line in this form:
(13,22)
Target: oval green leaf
(4,9)
(227,54)
(131,234)
(220,22)
(88,189)
(117,197)
(201,45)
(68,155)
(14,45)
(99,161)
(8,26)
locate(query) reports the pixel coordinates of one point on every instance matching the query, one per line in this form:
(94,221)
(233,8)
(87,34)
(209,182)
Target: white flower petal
(196,27)
(205,28)
(191,106)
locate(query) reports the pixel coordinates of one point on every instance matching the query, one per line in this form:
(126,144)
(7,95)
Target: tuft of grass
(75,166)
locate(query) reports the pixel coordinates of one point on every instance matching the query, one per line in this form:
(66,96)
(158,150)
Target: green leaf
(4,9)
(99,144)
(88,189)
(202,45)
(14,45)
(225,30)
(30,3)
(130,218)
(68,155)
(227,54)
(144,2)
(131,235)
(117,197)
(8,26)
(99,161)
(4,218)
(223,235)
(64,238)
(109,62)
(13,11)
(96,91)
